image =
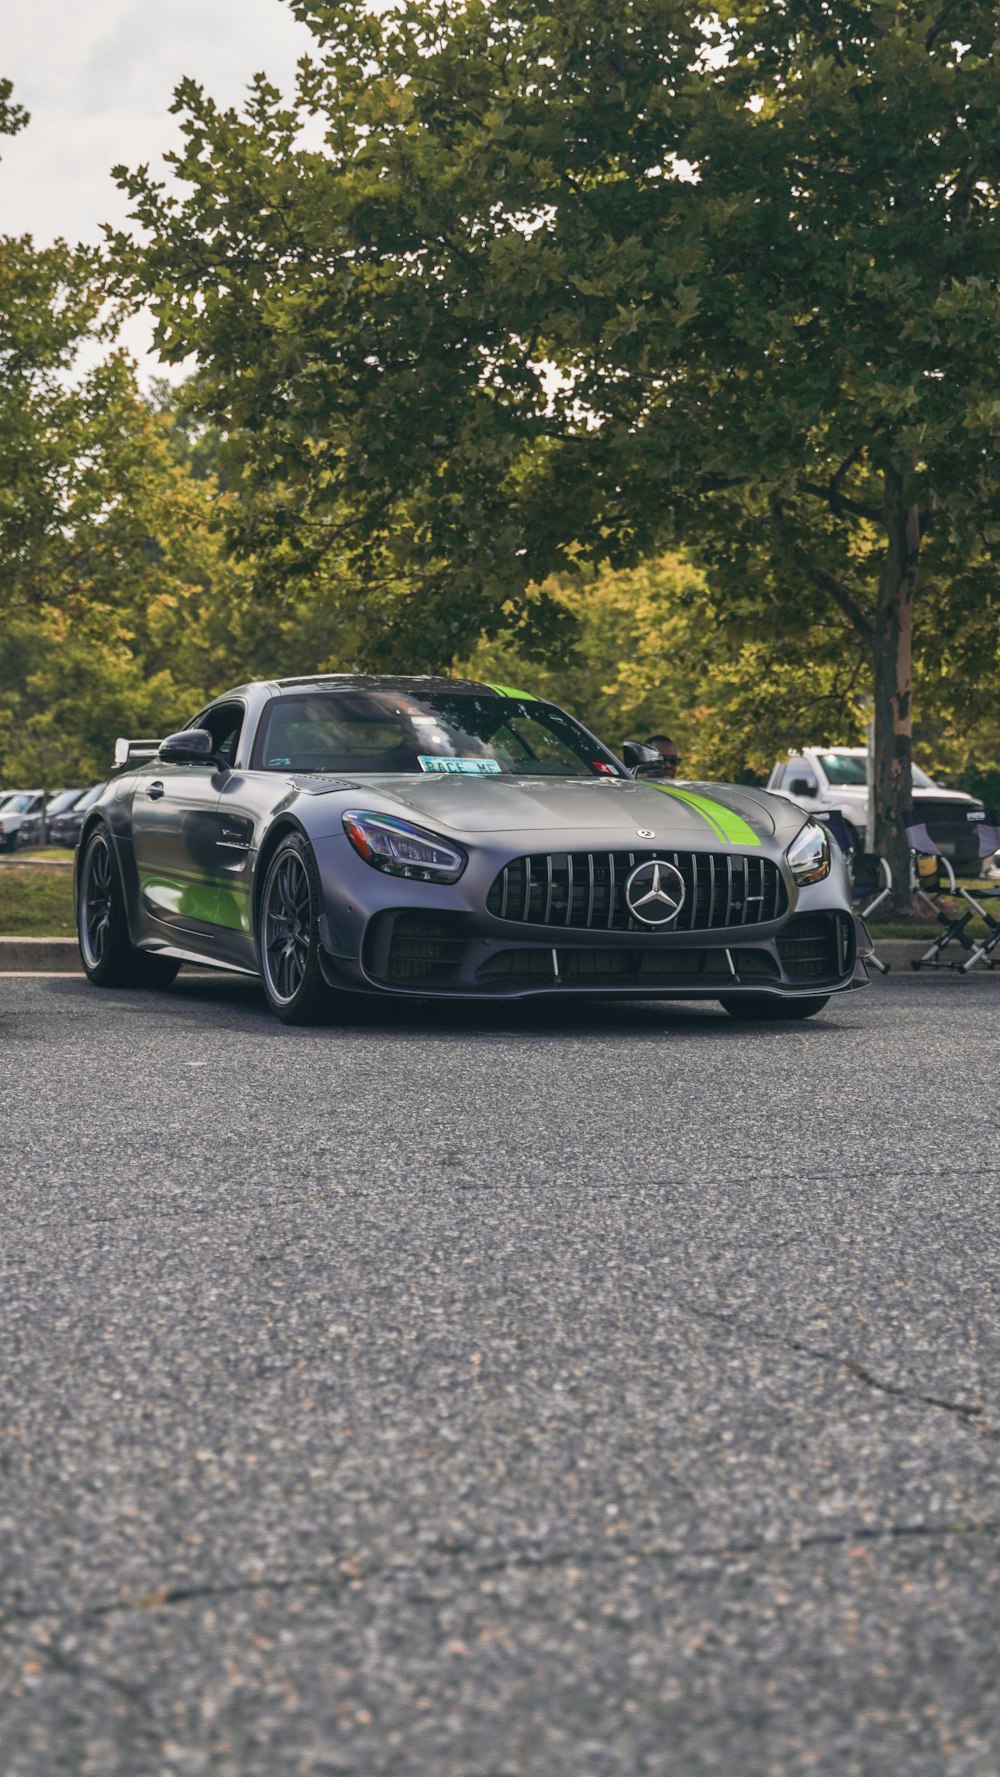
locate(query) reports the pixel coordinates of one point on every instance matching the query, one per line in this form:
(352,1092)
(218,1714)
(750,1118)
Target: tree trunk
(892,777)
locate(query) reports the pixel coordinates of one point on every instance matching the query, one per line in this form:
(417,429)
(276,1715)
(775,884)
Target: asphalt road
(582,1394)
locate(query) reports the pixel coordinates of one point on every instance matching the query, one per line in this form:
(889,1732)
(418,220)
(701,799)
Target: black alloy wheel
(110,959)
(109,955)
(288,936)
(761,1007)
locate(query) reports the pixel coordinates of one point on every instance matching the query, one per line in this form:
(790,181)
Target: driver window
(225,724)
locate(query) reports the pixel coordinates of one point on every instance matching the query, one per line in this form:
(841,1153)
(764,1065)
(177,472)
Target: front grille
(816,946)
(586,890)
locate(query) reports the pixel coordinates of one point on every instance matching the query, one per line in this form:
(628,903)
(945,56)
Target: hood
(933,793)
(674,814)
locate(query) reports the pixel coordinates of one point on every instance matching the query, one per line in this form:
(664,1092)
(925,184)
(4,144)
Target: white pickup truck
(836,778)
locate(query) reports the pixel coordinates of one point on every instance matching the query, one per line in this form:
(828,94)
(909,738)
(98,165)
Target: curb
(38,956)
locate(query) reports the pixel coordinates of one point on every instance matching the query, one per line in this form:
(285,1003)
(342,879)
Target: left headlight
(402,850)
(809,853)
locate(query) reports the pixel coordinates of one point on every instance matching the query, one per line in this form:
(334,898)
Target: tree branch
(844,601)
(839,503)
(939,24)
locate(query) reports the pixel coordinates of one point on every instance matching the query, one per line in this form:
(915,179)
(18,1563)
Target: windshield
(65,799)
(852,768)
(469,733)
(18,804)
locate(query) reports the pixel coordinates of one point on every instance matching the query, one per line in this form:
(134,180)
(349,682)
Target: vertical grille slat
(721,890)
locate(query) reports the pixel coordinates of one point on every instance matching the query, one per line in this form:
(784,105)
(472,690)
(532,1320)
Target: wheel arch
(97,818)
(279,830)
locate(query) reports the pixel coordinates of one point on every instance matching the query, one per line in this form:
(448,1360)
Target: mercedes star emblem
(654,892)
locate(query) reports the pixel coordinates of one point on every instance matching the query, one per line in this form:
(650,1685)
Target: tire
(109,957)
(288,936)
(749,1007)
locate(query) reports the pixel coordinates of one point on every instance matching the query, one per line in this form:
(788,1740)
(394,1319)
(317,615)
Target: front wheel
(109,957)
(288,936)
(748,1007)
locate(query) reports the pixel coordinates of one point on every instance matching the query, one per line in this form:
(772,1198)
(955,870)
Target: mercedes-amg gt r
(438,838)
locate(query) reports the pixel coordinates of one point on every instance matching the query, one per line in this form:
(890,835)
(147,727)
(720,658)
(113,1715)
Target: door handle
(155,790)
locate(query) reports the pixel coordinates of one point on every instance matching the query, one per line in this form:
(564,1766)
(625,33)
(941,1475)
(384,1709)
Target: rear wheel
(109,956)
(288,936)
(748,1007)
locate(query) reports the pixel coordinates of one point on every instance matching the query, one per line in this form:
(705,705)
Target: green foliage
(601,278)
(656,649)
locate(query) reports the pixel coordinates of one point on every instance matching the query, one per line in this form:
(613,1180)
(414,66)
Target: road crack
(969,1413)
(688,1563)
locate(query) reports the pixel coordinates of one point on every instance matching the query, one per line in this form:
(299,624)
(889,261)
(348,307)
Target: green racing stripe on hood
(731,828)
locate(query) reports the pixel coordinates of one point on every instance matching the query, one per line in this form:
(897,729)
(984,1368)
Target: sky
(97,77)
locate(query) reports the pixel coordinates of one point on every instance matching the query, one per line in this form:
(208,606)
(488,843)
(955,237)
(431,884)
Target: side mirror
(192,747)
(639,758)
(800,786)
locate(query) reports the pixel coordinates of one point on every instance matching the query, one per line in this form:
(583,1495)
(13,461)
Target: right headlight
(809,854)
(401,849)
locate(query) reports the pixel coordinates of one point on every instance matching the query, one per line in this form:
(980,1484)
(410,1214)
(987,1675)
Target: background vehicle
(822,778)
(64,829)
(58,803)
(18,808)
(406,836)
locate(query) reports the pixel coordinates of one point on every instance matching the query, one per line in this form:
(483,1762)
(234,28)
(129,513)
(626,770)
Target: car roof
(415,682)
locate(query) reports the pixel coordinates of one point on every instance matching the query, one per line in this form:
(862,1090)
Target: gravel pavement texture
(607,1392)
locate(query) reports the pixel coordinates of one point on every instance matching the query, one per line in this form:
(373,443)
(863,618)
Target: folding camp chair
(871,877)
(988,836)
(934,877)
(833,820)
(871,884)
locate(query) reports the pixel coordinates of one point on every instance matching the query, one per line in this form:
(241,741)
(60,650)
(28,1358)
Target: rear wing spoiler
(129,752)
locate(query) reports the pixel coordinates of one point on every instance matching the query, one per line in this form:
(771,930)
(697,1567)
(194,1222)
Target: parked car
(343,834)
(19,807)
(831,779)
(58,803)
(65,828)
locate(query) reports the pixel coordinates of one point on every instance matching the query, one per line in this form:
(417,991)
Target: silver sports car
(447,839)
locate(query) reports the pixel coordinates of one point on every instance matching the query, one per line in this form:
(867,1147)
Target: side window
(225,724)
(798,772)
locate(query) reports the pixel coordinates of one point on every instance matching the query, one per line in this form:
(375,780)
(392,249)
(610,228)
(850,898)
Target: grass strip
(36,902)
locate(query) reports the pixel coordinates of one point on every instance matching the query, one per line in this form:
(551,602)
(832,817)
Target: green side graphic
(728,827)
(211,900)
(509,691)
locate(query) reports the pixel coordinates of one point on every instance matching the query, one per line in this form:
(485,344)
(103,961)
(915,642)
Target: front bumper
(419,939)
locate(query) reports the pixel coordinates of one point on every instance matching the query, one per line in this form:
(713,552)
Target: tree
(599,277)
